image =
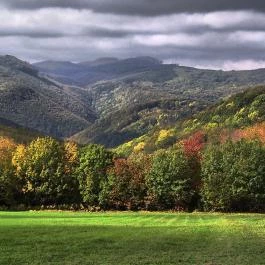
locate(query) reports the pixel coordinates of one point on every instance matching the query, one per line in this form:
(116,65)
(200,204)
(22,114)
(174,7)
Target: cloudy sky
(219,34)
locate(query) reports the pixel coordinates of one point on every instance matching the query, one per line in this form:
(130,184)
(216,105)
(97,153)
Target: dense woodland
(191,175)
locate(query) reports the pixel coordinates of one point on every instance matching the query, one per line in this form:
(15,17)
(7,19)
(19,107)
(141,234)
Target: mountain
(131,106)
(238,111)
(58,68)
(111,101)
(86,73)
(34,102)
(100,61)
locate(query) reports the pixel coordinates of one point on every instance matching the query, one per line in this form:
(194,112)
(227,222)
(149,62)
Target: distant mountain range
(85,73)
(110,101)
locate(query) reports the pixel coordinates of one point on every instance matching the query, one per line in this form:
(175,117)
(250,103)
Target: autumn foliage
(194,144)
(194,174)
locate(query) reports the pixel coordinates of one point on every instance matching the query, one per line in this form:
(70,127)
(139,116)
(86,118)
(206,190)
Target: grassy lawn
(131,238)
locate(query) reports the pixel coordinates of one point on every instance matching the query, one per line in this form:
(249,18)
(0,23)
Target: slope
(238,111)
(34,102)
(131,106)
(17,133)
(85,73)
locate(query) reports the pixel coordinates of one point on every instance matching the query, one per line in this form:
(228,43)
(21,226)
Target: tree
(70,164)
(234,176)
(169,180)
(47,169)
(9,185)
(140,165)
(127,188)
(193,147)
(92,172)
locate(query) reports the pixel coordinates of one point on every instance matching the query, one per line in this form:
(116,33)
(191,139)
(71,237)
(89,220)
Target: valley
(110,101)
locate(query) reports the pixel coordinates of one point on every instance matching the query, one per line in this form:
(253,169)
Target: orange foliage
(194,144)
(256,131)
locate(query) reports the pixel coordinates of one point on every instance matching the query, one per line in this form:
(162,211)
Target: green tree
(169,180)
(92,172)
(234,176)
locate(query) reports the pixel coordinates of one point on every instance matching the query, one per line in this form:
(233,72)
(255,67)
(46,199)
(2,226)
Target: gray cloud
(30,34)
(223,39)
(141,7)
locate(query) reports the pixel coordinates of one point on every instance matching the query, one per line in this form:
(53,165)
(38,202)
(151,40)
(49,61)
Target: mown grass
(131,238)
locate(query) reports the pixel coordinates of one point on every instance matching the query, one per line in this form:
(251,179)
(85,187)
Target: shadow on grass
(60,244)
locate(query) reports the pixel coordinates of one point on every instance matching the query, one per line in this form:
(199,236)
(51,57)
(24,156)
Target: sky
(216,34)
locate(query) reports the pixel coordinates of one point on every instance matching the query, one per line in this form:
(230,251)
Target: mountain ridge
(122,100)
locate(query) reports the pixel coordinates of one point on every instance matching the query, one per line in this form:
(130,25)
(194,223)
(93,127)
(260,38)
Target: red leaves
(194,144)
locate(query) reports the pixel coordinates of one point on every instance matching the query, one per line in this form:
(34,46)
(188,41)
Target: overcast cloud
(203,33)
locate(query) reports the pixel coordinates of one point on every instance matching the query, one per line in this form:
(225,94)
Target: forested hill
(37,103)
(110,101)
(225,119)
(132,106)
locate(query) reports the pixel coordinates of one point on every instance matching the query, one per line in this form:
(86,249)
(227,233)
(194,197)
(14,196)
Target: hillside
(238,111)
(37,103)
(17,133)
(110,101)
(132,106)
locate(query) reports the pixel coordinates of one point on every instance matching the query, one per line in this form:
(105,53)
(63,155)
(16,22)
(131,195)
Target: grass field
(131,238)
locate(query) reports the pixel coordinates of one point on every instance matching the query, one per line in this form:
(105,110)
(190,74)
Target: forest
(194,174)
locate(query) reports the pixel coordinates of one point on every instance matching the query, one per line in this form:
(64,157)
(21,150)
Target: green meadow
(57,238)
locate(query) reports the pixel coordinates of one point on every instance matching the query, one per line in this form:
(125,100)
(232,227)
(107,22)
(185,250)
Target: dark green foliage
(169,180)
(234,177)
(21,135)
(34,102)
(9,187)
(92,172)
(48,172)
(238,111)
(133,96)
(137,103)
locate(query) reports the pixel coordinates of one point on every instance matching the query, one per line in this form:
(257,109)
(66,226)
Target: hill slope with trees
(38,103)
(239,111)
(125,99)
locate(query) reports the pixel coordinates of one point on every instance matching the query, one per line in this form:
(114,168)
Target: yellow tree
(8,183)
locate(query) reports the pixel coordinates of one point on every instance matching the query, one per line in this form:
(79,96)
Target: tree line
(192,175)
